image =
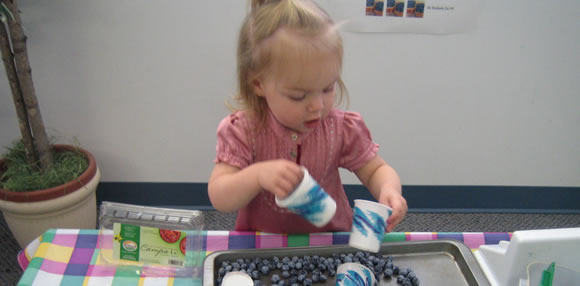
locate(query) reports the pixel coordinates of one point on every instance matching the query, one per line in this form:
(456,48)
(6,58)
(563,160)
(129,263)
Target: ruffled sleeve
(358,147)
(233,146)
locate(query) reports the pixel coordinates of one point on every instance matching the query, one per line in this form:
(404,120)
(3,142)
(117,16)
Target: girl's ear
(258,87)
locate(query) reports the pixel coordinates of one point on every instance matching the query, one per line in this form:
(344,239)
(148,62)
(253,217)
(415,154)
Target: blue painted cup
(368,225)
(310,201)
(354,274)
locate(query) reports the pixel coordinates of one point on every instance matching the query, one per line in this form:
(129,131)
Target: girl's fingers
(286,186)
(399,208)
(392,222)
(295,175)
(282,190)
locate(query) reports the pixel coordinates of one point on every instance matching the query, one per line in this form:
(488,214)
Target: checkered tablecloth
(72,256)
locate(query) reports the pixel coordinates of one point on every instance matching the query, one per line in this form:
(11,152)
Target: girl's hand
(280,177)
(397,203)
(385,186)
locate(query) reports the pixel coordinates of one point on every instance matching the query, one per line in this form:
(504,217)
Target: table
(71,256)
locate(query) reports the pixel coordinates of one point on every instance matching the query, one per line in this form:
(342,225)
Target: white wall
(142,83)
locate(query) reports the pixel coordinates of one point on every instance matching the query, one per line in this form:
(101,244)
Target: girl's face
(302,93)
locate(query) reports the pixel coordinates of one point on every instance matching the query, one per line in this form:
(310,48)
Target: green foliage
(19,176)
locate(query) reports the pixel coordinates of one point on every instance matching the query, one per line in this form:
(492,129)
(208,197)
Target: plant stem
(8,59)
(40,139)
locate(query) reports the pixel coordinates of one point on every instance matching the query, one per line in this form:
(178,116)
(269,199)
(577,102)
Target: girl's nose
(316,103)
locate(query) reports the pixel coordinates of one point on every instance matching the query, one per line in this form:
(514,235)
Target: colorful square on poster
(298,240)
(125,281)
(45,278)
(54,267)
(36,262)
(82,255)
(42,249)
(101,270)
(270,240)
(495,238)
(73,280)
(473,239)
(59,253)
(394,236)
(28,276)
(76,269)
(340,237)
(422,236)
(68,240)
(242,240)
(320,239)
(86,241)
(99,281)
(48,235)
(217,240)
(450,235)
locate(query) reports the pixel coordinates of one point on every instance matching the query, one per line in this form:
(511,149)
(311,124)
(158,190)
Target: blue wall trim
(515,199)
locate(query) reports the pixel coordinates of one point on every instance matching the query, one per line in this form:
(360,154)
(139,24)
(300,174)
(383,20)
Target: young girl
(289,65)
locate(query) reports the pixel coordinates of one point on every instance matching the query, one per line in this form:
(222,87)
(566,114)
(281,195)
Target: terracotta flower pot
(71,205)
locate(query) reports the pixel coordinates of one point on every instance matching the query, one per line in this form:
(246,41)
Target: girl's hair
(257,52)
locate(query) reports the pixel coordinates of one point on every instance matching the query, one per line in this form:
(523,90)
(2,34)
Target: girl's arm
(385,186)
(231,188)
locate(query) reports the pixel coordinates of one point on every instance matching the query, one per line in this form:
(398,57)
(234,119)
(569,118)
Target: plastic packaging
(151,241)
(550,274)
(506,263)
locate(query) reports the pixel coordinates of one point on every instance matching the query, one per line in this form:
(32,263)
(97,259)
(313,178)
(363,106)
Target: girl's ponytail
(254,4)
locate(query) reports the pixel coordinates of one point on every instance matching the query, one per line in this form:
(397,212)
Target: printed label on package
(149,244)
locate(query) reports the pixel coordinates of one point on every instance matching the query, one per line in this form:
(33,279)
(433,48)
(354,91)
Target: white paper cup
(354,274)
(310,201)
(368,225)
(237,278)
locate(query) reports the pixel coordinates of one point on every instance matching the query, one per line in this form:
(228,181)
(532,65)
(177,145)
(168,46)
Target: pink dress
(340,140)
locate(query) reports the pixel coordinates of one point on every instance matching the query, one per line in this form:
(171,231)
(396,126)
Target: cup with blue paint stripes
(368,225)
(354,274)
(310,201)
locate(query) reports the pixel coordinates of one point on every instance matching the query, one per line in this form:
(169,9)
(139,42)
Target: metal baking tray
(436,262)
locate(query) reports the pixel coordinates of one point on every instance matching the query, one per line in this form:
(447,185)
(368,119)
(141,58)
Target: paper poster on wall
(404,16)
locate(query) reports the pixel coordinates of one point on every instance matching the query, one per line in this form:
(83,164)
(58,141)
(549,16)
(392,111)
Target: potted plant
(37,191)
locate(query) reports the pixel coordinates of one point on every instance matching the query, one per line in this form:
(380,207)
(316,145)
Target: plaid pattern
(71,257)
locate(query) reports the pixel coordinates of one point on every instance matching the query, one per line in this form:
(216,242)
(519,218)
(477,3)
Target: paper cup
(368,225)
(354,274)
(237,278)
(310,201)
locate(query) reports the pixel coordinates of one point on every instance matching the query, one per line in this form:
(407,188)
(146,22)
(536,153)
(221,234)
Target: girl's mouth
(312,123)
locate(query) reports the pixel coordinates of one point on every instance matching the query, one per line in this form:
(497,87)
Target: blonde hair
(255,52)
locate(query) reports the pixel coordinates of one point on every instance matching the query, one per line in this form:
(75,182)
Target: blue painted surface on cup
(355,278)
(313,206)
(369,223)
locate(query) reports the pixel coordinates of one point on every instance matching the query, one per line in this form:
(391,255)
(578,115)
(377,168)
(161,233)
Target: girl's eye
(328,89)
(297,98)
